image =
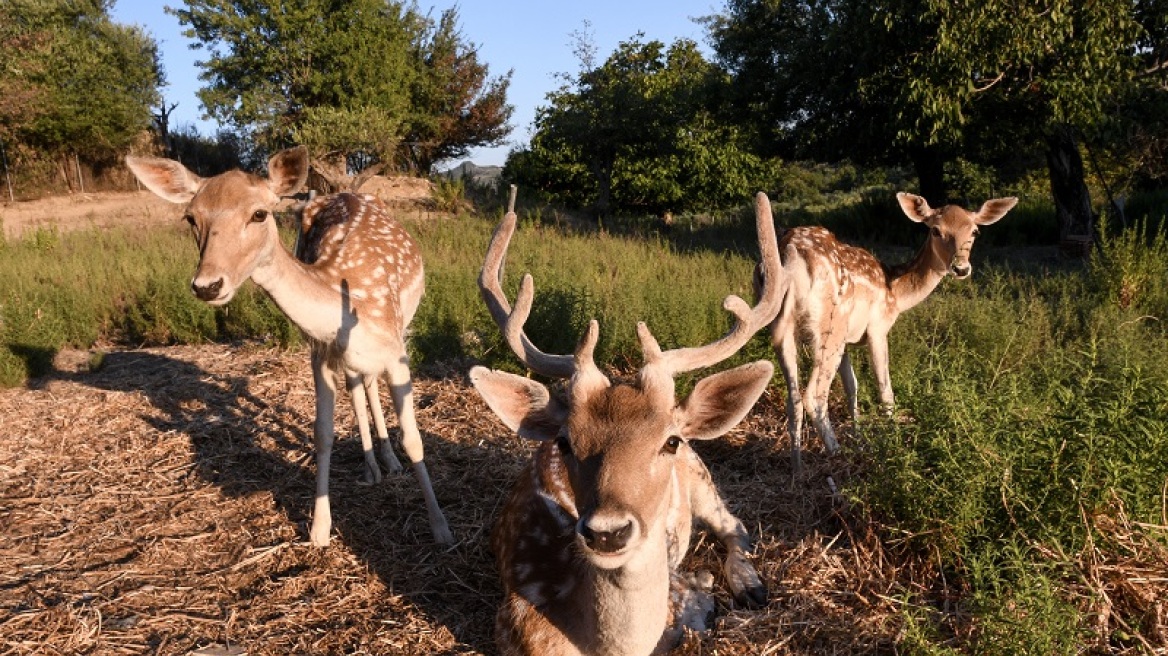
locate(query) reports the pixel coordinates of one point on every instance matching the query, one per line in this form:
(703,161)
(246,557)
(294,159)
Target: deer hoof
(389,459)
(744,582)
(372,475)
(318,537)
(442,535)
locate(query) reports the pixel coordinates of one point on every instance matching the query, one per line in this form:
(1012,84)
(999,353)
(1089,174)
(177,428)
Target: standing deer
(841,294)
(594,531)
(352,288)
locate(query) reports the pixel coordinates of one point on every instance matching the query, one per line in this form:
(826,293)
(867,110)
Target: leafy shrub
(448,195)
(1130,269)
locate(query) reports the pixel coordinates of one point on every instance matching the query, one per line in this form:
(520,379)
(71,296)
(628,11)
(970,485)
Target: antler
(750,320)
(510,320)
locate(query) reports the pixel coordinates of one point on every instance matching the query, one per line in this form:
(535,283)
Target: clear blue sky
(530,37)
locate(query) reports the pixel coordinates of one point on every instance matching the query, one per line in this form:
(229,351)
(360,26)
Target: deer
(352,287)
(591,538)
(841,294)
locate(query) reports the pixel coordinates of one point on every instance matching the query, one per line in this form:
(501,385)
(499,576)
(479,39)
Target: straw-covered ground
(159,504)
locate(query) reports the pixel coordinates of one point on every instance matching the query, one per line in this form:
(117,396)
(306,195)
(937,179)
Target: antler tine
(749,320)
(510,320)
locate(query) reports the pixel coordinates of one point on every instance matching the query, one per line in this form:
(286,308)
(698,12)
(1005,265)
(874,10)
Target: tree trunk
(930,168)
(1072,200)
(602,171)
(63,169)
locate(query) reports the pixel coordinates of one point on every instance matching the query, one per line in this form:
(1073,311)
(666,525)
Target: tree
(640,132)
(456,106)
(927,79)
(823,80)
(1142,132)
(345,77)
(1066,65)
(73,81)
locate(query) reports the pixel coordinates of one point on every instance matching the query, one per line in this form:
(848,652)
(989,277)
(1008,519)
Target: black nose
(606,541)
(207,292)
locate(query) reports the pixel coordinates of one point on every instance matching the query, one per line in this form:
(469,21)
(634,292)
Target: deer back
(360,249)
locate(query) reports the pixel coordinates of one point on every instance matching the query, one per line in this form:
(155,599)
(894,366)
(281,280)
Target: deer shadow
(244,443)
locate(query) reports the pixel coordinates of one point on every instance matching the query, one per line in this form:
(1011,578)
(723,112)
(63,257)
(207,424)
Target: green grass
(131,287)
(1032,407)
(124,285)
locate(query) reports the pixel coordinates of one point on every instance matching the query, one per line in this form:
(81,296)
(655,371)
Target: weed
(449,195)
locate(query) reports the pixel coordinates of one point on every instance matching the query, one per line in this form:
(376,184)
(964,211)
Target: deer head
(231,215)
(952,228)
(619,445)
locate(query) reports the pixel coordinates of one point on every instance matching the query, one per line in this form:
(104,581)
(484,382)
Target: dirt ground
(142,208)
(97,210)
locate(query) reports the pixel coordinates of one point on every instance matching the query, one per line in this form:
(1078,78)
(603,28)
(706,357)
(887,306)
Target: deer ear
(167,178)
(915,207)
(288,171)
(720,401)
(521,403)
(994,209)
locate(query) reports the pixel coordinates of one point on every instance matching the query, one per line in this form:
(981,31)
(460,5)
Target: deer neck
(632,603)
(318,307)
(913,281)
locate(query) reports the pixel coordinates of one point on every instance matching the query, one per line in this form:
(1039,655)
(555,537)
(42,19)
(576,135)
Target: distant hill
(471,173)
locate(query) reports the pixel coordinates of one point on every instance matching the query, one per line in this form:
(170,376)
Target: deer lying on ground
(352,288)
(592,536)
(841,294)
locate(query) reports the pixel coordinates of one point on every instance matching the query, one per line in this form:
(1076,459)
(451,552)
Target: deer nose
(608,541)
(207,292)
(962,270)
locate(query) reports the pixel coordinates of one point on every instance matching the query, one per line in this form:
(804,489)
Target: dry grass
(159,505)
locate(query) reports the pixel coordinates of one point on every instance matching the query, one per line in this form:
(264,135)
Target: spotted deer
(841,294)
(590,541)
(352,287)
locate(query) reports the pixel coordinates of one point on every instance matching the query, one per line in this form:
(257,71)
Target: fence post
(80,180)
(7,175)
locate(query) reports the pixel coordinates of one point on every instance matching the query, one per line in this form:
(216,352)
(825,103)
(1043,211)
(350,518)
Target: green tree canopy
(820,79)
(930,79)
(71,80)
(358,79)
(640,132)
(456,105)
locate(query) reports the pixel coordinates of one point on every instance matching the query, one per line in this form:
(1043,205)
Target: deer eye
(671,445)
(976,232)
(259,216)
(189,218)
(936,231)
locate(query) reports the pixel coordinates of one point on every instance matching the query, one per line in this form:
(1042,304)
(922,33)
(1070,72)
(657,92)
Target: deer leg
(788,352)
(848,376)
(356,386)
(388,457)
(322,437)
(827,361)
(709,508)
(691,606)
(402,390)
(878,349)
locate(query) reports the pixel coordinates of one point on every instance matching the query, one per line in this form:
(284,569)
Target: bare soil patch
(160,505)
(143,208)
(79,211)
